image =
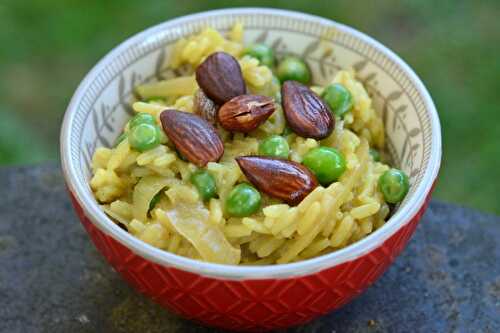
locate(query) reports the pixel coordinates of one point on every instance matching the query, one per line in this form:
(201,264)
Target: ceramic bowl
(269,297)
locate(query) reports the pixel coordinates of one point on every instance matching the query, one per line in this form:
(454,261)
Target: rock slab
(52,279)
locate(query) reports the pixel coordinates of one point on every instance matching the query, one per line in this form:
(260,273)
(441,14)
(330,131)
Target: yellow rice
(327,219)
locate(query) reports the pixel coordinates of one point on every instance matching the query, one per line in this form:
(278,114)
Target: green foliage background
(46,47)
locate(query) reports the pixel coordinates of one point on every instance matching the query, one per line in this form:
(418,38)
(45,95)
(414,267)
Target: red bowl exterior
(250,305)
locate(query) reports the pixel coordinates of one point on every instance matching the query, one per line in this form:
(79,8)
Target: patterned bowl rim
(402,216)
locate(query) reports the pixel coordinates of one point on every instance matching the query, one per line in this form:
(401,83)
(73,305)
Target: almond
(278,178)
(245,113)
(305,112)
(220,78)
(205,107)
(192,136)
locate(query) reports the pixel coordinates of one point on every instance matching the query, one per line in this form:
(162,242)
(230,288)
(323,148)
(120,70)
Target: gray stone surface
(53,280)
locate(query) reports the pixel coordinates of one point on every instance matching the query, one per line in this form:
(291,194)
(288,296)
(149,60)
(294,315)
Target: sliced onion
(144,192)
(191,221)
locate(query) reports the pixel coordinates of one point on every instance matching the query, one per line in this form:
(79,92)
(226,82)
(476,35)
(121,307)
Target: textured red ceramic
(251,304)
(269,297)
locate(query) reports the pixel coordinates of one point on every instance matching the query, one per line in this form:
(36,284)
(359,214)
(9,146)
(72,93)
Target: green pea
(394,185)
(277,97)
(204,183)
(155,99)
(122,137)
(262,52)
(274,146)
(293,68)
(182,157)
(277,89)
(144,137)
(154,201)
(287,131)
(276,81)
(338,98)
(326,163)
(141,118)
(243,200)
(374,154)
(163,136)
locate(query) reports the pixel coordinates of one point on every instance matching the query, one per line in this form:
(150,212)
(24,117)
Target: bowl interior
(100,108)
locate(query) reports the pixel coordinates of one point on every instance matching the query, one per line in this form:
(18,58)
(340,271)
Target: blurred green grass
(454,46)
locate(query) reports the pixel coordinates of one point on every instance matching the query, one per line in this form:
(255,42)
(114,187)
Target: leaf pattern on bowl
(109,113)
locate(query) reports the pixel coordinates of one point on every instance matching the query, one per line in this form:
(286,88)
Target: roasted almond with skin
(192,136)
(306,113)
(220,78)
(205,107)
(278,178)
(245,113)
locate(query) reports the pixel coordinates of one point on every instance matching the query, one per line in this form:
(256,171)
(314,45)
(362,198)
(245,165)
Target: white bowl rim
(232,272)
